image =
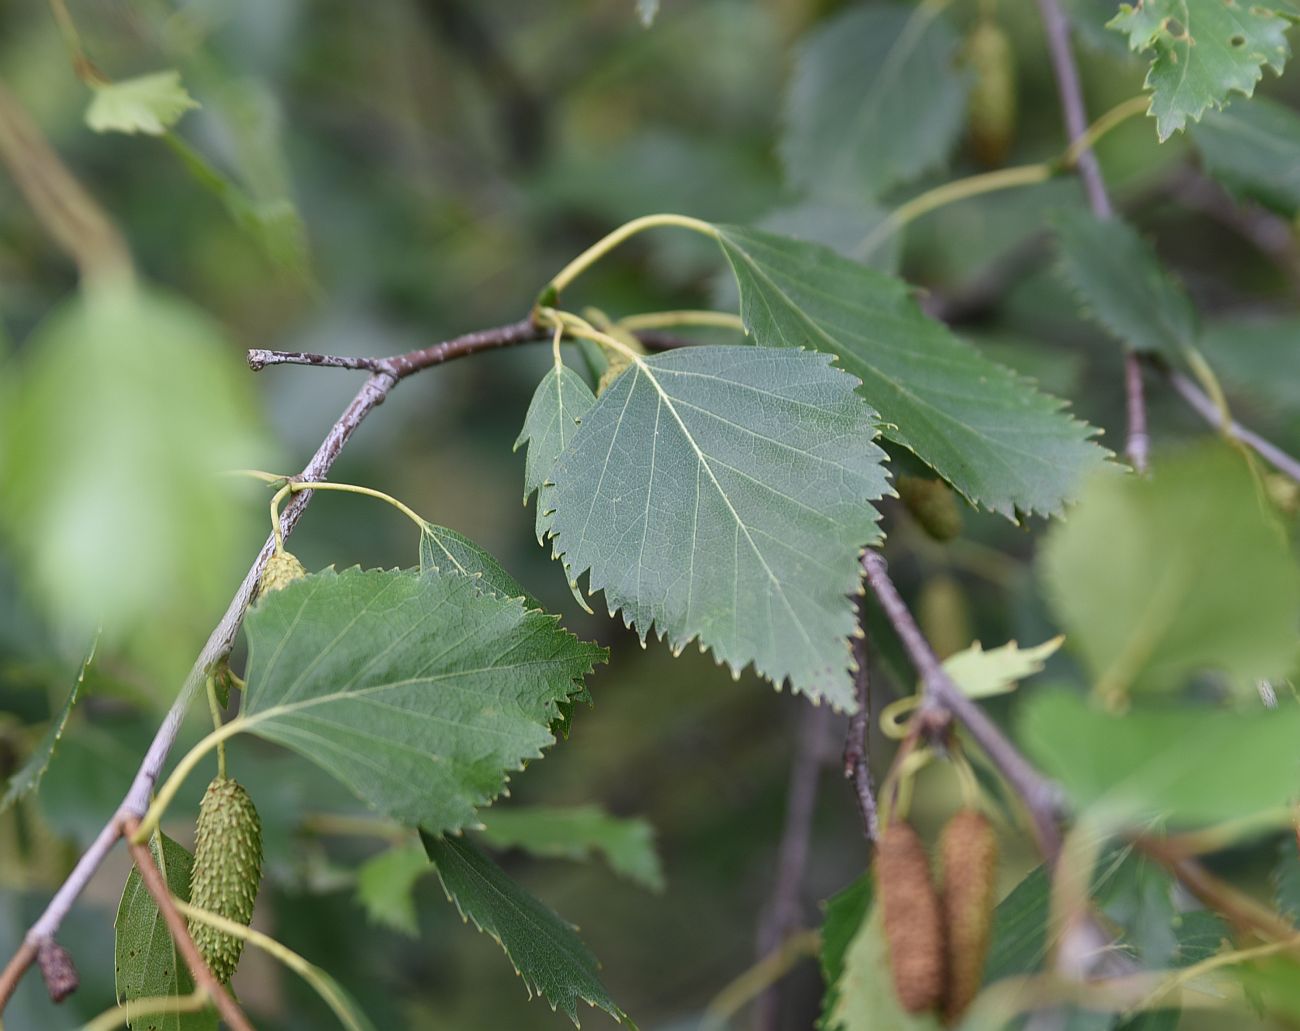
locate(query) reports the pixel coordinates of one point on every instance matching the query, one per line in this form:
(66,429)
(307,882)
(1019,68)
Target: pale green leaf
(385,883)
(874,101)
(1121,284)
(544,949)
(559,404)
(1184,767)
(722,493)
(989,433)
(150,104)
(866,1000)
(575,832)
(1253,149)
(1155,579)
(420,692)
(452,552)
(28,777)
(146,962)
(1202,51)
(845,912)
(982,674)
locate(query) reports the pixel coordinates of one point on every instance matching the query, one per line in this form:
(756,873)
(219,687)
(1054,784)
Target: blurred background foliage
(391,174)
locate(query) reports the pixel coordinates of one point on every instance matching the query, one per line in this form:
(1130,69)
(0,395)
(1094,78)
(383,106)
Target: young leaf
(1122,286)
(452,552)
(874,101)
(419,691)
(150,104)
(981,674)
(559,403)
(574,833)
(28,778)
(866,1000)
(545,950)
(990,434)
(1185,767)
(1155,579)
(1254,151)
(146,962)
(722,493)
(385,883)
(845,912)
(1202,50)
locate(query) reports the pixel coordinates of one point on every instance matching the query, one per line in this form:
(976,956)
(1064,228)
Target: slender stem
(203,977)
(669,319)
(215,709)
(766,971)
(122,1015)
(295,486)
(146,826)
(857,767)
(309,972)
(601,247)
(259,359)
(1119,114)
(1037,793)
(576,325)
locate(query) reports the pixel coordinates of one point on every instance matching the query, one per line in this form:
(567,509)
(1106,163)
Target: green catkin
(991,108)
(933,505)
(227,870)
(282,569)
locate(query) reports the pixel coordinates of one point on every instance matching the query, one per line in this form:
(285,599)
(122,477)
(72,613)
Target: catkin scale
(991,107)
(968,850)
(281,569)
(912,918)
(227,870)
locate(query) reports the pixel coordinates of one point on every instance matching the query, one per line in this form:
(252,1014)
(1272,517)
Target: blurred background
(396,173)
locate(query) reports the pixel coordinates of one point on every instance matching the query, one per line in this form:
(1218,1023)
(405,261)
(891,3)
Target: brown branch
(1039,795)
(1057,27)
(856,765)
(203,977)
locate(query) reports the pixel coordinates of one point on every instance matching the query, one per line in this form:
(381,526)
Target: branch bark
(856,766)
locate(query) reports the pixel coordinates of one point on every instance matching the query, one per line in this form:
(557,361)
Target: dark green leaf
(419,691)
(1018,942)
(1258,358)
(575,832)
(1286,878)
(845,912)
(722,494)
(559,403)
(146,962)
(1253,149)
(452,552)
(991,434)
(545,950)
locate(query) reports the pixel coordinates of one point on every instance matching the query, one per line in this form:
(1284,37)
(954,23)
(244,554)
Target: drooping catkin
(933,505)
(991,107)
(227,870)
(912,917)
(968,850)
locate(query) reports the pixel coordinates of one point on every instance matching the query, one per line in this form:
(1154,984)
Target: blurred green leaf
(146,961)
(1121,285)
(988,432)
(866,1000)
(575,832)
(1179,766)
(452,552)
(418,690)
(1258,357)
(560,402)
(845,912)
(646,10)
(150,104)
(981,674)
(722,494)
(1253,149)
(385,883)
(1286,878)
(1202,50)
(545,950)
(1155,579)
(874,100)
(1018,941)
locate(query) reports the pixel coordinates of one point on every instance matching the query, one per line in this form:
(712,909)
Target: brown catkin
(912,917)
(968,850)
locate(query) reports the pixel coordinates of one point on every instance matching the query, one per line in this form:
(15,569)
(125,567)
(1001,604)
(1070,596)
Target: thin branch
(1039,795)
(781,915)
(203,977)
(857,768)
(1057,27)
(370,396)
(259,359)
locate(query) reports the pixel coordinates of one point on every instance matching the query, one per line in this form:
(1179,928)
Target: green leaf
(1187,571)
(1254,151)
(28,778)
(1018,941)
(1286,878)
(988,432)
(875,100)
(1185,767)
(150,104)
(420,692)
(845,912)
(560,402)
(982,674)
(1202,50)
(722,493)
(146,962)
(866,998)
(1122,286)
(452,552)
(575,832)
(1258,357)
(385,883)
(545,950)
